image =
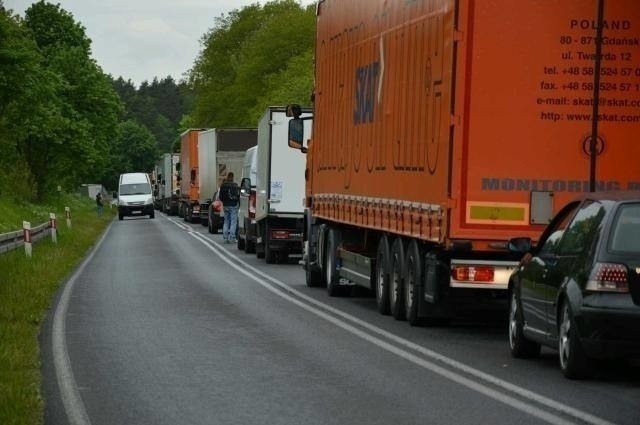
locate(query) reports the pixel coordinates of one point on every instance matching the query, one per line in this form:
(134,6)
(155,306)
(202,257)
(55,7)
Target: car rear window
(625,234)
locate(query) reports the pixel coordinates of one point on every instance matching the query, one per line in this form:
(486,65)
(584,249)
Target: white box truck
(220,151)
(247,210)
(280,189)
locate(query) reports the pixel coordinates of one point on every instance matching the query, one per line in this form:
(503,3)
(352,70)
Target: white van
(134,195)
(247,210)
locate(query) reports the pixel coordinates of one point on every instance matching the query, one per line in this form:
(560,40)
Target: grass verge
(27,288)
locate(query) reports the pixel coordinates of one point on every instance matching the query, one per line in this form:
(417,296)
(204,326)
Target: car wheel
(396,280)
(331,263)
(573,361)
(519,345)
(382,275)
(412,278)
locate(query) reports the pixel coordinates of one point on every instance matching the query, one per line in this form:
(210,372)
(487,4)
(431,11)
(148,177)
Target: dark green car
(578,290)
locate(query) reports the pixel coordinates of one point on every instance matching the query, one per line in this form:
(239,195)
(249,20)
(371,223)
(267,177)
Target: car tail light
(252,204)
(608,277)
(465,273)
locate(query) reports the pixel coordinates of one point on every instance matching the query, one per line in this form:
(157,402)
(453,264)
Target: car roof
(613,196)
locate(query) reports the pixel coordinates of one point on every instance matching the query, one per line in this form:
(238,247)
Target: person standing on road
(229,195)
(99,203)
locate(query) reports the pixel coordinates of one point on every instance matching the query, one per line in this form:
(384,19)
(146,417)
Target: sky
(142,39)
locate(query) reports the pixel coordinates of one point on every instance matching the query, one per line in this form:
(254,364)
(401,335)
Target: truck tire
(249,245)
(120,217)
(381,275)
(331,263)
(241,244)
(270,256)
(152,215)
(412,278)
(396,280)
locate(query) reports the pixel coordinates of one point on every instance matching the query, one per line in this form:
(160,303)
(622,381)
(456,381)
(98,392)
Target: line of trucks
(271,177)
(439,131)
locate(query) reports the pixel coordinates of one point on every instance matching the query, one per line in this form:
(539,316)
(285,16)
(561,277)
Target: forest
(65,122)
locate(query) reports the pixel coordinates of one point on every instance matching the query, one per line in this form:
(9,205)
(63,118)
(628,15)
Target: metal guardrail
(13,240)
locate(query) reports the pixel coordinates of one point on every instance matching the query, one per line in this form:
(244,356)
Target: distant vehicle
(247,210)
(279,212)
(578,290)
(167,183)
(220,151)
(135,195)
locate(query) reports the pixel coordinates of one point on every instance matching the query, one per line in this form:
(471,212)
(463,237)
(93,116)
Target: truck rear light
(279,234)
(463,273)
(252,204)
(608,277)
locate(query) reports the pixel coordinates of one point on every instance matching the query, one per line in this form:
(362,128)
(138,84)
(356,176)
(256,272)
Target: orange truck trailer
(189,207)
(442,128)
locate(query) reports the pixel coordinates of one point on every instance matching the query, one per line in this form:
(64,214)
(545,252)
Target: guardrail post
(54,230)
(26,227)
(67,210)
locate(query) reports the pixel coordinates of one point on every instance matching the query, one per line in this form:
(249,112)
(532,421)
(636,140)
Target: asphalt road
(164,324)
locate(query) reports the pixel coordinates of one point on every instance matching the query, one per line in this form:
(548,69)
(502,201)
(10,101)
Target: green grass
(27,288)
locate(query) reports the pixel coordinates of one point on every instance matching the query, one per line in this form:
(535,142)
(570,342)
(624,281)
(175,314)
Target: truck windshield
(135,189)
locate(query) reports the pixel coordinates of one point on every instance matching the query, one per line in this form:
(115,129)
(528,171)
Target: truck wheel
(412,278)
(270,256)
(331,263)
(249,245)
(382,275)
(120,217)
(209,227)
(152,215)
(241,244)
(396,280)
(519,345)
(313,277)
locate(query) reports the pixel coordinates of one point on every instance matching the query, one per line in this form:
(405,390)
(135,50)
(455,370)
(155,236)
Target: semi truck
(443,128)
(221,152)
(188,206)
(167,183)
(279,207)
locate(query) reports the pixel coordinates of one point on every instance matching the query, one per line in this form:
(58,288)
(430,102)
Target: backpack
(229,193)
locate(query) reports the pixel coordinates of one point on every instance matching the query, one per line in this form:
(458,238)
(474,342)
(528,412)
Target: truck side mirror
(296,133)
(245,185)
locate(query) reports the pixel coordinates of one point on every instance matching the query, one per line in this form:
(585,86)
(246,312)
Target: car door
(574,257)
(535,272)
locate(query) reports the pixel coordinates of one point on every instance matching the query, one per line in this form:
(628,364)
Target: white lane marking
(545,401)
(69,393)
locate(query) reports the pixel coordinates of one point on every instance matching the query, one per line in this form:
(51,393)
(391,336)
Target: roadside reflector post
(67,210)
(26,227)
(54,231)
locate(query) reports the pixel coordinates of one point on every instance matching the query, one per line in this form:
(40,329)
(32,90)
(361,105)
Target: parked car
(578,290)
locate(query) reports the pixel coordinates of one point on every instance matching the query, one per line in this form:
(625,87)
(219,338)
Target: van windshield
(135,189)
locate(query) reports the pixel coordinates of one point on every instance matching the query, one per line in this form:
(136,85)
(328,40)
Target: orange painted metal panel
(436,119)
(189,187)
(525,101)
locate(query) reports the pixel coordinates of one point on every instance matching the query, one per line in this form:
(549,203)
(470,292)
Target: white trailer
(280,188)
(220,151)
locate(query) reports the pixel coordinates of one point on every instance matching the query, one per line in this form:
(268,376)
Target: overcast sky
(141,39)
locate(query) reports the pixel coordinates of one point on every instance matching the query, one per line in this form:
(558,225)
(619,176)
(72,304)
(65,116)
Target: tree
(76,142)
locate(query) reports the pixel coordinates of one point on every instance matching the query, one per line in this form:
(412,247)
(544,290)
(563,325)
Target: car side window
(551,242)
(583,230)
